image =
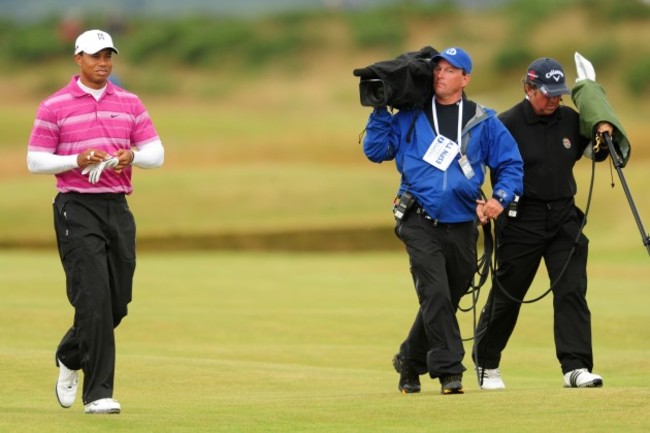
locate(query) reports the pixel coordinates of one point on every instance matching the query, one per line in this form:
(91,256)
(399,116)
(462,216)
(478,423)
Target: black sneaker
(409,380)
(451,384)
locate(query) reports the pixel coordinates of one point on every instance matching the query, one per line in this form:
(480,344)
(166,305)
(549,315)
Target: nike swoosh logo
(113,116)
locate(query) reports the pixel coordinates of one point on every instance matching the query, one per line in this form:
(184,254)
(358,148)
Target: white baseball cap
(93,41)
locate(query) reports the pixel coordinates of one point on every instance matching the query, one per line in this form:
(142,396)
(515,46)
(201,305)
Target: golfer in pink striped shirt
(90,135)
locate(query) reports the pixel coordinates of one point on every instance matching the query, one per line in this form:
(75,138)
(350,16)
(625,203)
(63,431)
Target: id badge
(441,152)
(466,167)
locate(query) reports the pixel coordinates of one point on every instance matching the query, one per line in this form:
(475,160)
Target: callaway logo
(555,74)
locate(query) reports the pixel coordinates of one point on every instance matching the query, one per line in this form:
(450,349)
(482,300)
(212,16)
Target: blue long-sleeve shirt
(448,196)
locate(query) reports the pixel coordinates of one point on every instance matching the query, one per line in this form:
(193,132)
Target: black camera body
(405,82)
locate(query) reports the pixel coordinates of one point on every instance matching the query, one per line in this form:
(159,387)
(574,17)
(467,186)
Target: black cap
(549,77)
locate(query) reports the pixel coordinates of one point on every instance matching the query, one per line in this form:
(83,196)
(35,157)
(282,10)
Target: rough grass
(276,149)
(203,205)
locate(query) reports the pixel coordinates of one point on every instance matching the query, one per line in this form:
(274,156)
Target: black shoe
(451,384)
(409,380)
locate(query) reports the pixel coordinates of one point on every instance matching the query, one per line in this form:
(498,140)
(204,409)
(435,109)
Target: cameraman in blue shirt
(441,152)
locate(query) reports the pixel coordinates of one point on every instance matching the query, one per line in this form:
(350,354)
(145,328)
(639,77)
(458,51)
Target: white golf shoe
(582,378)
(66,385)
(103,406)
(491,378)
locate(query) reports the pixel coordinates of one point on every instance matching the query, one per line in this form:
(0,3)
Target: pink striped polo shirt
(71,121)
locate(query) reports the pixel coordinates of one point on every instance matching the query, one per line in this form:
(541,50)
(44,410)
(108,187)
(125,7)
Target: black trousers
(443,262)
(96,240)
(545,230)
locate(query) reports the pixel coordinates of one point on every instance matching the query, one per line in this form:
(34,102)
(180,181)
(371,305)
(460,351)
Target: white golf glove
(585,68)
(88,168)
(94,171)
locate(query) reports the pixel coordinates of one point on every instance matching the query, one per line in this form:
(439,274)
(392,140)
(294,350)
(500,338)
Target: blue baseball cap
(457,57)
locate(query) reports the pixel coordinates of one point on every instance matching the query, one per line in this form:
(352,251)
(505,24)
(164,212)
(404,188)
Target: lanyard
(460,120)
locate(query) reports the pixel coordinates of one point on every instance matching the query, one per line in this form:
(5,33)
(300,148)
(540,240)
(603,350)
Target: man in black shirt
(547,226)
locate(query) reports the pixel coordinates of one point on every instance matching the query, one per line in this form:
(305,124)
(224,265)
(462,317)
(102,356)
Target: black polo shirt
(549,146)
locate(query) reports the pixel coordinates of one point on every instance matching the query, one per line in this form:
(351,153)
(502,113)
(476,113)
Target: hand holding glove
(94,171)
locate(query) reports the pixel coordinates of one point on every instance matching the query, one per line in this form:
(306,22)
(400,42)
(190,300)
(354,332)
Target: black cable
(482,271)
(568,260)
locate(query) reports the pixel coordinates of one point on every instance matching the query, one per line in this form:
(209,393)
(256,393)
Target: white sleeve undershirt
(49,163)
(151,156)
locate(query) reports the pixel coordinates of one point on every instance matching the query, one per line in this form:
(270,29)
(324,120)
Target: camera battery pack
(513,208)
(402,205)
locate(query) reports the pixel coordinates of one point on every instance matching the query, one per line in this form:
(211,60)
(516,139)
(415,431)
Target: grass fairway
(274,342)
(245,341)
